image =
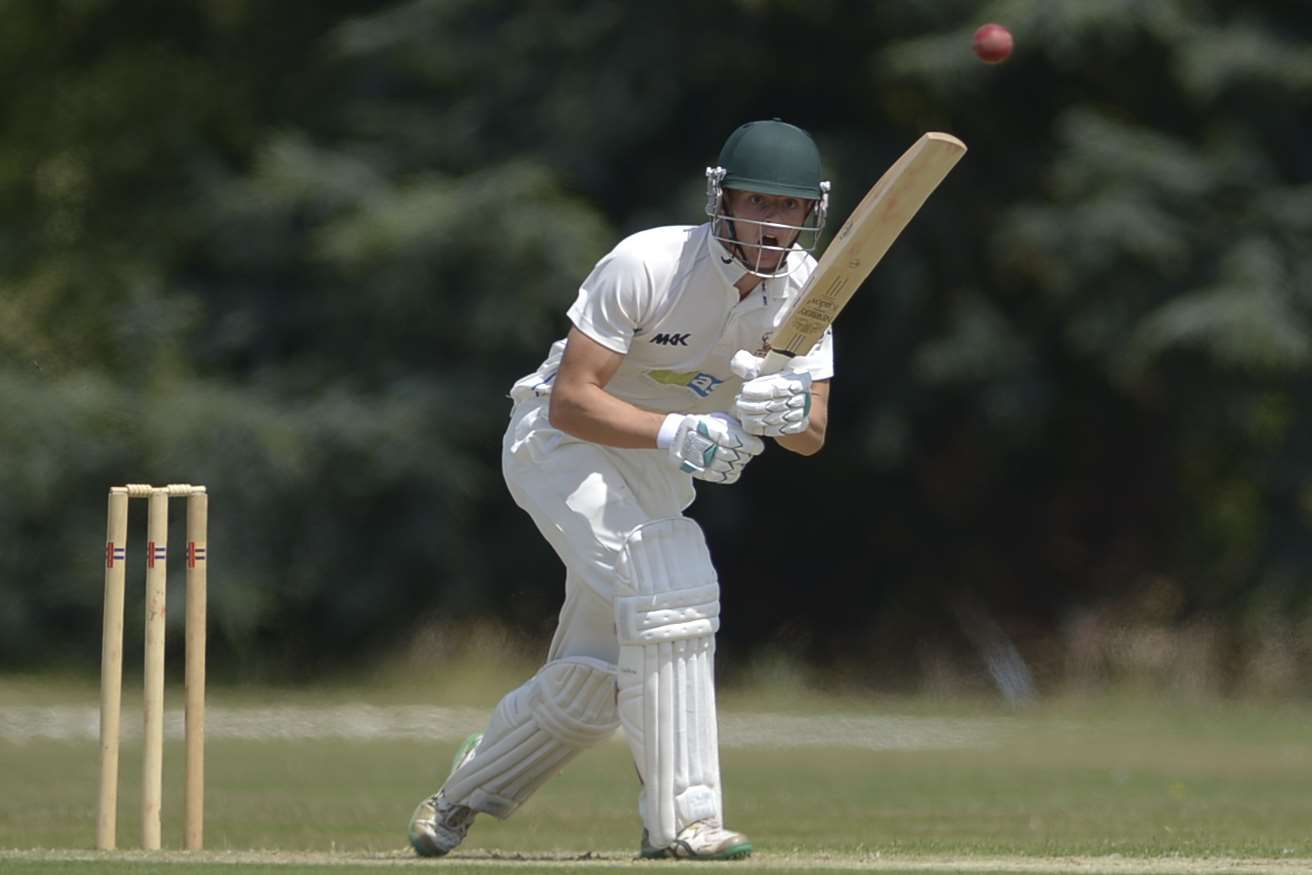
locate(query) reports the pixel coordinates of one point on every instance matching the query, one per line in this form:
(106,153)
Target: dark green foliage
(299,251)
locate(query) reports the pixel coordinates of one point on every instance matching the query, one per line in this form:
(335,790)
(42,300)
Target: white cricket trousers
(585,499)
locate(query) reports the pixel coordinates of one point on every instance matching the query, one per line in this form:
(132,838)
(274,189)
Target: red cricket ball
(993,43)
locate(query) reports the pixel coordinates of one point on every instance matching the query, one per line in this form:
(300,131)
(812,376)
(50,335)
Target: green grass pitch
(1077,786)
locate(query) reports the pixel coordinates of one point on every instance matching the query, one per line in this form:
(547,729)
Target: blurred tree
(300,250)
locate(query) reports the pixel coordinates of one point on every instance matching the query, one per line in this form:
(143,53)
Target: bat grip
(775,361)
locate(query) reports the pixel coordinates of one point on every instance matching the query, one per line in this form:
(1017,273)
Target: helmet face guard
(773,158)
(723,225)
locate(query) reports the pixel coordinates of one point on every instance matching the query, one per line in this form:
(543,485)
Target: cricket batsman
(656,385)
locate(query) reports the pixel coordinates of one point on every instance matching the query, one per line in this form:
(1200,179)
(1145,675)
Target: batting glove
(710,447)
(774,405)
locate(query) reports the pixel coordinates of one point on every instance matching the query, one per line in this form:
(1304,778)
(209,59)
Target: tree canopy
(298,251)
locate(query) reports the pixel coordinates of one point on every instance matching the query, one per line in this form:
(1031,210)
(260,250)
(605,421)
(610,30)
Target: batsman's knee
(665,555)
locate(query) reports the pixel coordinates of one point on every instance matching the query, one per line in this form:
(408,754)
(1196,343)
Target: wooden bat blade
(863,239)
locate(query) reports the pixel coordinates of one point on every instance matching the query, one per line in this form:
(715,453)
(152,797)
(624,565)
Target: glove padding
(773,405)
(713,447)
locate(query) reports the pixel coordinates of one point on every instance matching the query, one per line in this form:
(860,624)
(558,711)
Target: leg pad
(667,611)
(567,707)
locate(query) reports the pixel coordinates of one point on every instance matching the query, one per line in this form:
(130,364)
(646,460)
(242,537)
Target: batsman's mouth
(767,251)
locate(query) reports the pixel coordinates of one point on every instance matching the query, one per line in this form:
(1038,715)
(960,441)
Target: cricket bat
(861,243)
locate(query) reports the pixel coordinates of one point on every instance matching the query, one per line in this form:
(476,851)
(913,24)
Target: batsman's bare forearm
(581,406)
(590,413)
(807,443)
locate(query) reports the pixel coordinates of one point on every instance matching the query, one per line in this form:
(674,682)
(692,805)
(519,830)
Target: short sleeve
(613,300)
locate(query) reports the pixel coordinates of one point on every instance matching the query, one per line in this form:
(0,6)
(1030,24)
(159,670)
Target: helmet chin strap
(738,251)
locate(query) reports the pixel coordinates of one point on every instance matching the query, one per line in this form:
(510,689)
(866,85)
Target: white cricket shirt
(665,299)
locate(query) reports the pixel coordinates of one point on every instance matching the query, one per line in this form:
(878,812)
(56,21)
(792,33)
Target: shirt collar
(730,268)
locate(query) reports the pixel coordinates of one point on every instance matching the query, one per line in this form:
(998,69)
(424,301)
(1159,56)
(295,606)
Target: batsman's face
(770,224)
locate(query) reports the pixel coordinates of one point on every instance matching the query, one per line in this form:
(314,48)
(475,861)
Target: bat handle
(775,361)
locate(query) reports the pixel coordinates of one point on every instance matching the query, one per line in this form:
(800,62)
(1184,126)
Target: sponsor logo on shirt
(665,338)
(698,382)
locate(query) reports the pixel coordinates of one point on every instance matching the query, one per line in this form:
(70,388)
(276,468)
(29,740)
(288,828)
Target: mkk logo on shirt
(664,338)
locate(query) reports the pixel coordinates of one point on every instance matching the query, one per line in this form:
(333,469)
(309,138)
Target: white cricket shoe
(701,840)
(437,825)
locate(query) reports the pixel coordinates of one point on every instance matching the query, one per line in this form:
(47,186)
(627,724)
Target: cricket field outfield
(326,779)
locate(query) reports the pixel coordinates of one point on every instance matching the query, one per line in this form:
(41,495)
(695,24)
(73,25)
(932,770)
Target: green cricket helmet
(770,157)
